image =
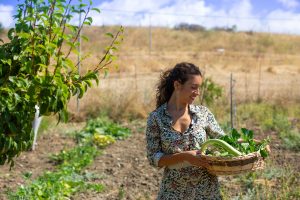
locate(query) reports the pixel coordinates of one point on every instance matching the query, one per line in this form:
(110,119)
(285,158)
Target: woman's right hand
(194,158)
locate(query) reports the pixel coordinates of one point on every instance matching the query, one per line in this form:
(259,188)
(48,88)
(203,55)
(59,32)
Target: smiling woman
(175,131)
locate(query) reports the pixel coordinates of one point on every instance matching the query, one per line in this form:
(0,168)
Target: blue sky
(278,16)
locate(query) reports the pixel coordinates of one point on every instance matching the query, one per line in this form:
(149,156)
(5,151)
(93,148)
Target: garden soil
(122,167)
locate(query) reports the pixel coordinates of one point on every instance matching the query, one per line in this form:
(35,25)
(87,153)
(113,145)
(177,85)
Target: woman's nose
(197,92)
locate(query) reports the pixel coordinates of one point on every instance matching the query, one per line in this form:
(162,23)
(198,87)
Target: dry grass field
(264,66)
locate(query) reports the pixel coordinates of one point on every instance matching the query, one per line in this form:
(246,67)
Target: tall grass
(279,118)
(274,183)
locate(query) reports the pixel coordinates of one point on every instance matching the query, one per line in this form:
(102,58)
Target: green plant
(1,28)
(231,146)
(103,140)
(280,123)
(36,70)
(69,179)
(65,181)
(104,126)
(221,144)
(210,91)
(121,194)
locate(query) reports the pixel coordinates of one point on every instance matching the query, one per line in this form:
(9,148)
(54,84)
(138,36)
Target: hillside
(256,60)
(162,47)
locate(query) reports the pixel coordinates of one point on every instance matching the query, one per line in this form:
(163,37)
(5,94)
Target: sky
(275,16)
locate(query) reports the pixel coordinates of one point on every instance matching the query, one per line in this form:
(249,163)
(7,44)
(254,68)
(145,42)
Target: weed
(69,179)
(121,194)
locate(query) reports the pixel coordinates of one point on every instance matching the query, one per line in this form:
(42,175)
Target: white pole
(35,125)
(232,102)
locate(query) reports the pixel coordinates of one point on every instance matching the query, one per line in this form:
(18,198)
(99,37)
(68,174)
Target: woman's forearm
(192,157)
(173,159)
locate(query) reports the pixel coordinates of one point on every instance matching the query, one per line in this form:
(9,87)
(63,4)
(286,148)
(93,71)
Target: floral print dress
(185,183)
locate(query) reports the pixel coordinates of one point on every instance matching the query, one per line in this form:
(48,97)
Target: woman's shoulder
(198,108)
(157,112)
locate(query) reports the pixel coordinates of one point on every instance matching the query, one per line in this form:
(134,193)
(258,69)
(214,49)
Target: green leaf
(110,35)
(90,19)
(82,5)
(85,38)
(64,115)
(6,61)
(263,153)
(89,83)
(235,135)
(96,9)
(87,23)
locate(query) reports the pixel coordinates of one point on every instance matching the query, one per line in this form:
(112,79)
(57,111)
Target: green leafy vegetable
(243,142)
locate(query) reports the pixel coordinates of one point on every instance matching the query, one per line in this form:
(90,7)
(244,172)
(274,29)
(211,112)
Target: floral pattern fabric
(185,183)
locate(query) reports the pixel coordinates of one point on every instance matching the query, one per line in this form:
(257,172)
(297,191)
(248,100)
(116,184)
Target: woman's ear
(176,85)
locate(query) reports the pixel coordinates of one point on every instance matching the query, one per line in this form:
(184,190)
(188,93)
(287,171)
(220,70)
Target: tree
(190,27)
(1,28)
(34,69)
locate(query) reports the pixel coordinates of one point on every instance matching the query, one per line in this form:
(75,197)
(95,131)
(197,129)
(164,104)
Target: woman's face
(188,91)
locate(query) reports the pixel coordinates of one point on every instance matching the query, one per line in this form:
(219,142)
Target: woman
(175,131)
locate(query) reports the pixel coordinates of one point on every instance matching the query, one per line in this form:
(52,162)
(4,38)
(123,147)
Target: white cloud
(283,21)
(240,14)
(6,13)
(159,13)
(172,12)
(289,3)
(242,9)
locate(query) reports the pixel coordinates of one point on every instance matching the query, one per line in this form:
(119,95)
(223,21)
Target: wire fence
(255,85)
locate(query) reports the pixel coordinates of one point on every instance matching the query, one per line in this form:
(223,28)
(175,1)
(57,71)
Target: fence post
(232,102)
(259,79)
(246,88)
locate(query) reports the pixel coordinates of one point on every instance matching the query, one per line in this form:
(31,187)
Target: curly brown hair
(179,72)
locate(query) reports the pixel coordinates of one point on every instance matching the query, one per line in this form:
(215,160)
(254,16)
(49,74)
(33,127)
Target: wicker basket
(235,165)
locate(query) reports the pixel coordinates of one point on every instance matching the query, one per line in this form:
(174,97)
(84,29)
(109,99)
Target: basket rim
(235,158)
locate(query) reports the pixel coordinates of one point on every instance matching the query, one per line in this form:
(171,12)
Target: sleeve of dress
(154,152)
(213,129)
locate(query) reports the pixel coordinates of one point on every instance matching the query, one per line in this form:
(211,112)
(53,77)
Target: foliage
(102,132)
(34,69)
(210,91)
(233,28)
(64,182)
(190,27)
(289,135)
(1,28)
(275,118)
(104,126)
(103,140)
(248,144)
(68,178)
(262,185)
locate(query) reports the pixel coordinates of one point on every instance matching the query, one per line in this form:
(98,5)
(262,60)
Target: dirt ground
(122,167)
(37,162)
(125,170)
